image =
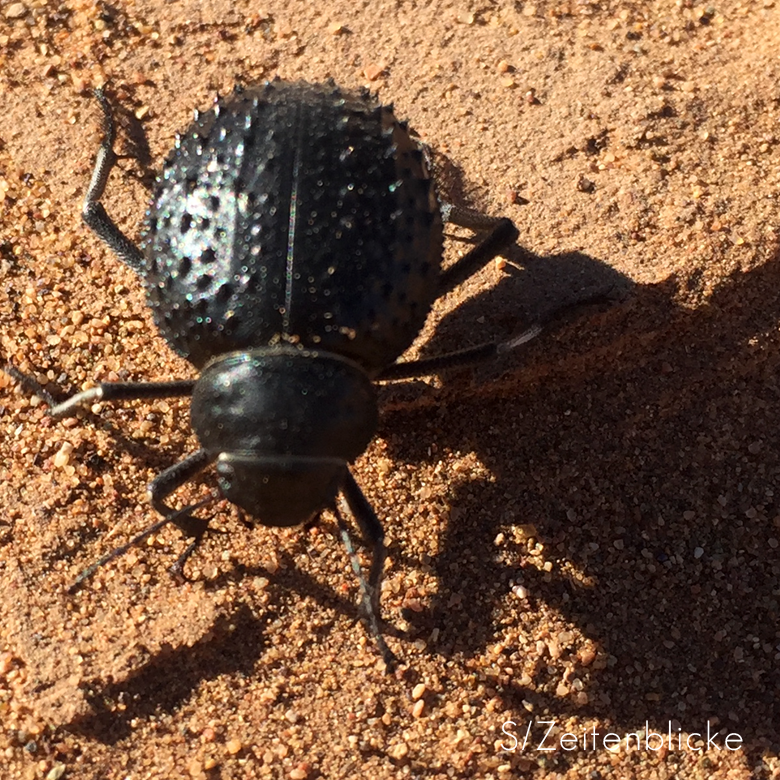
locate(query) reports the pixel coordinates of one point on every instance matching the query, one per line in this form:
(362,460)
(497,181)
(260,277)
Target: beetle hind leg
(501,234)
(93,212)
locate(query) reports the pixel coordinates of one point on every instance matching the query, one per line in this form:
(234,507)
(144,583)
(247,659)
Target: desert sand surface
(584,538)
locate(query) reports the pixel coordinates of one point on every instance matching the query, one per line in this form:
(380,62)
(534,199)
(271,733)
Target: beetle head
(280,491)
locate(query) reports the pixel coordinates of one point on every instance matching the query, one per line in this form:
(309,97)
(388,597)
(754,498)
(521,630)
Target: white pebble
(63,455)
(520,591)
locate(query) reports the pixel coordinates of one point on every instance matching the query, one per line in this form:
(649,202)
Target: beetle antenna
(367,597)
(136,540)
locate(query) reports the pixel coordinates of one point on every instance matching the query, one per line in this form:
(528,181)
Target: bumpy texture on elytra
(294,213)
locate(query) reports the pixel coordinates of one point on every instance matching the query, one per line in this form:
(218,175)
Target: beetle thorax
(282,424)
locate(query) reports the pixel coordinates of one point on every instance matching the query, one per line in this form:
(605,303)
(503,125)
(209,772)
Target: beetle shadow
(170,677)
(638,442)
(135,144)
(536,289)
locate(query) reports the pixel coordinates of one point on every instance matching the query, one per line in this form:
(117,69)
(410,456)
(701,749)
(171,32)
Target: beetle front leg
(92,212)
(373,535)
(122,391)
(163,485)
(137,539)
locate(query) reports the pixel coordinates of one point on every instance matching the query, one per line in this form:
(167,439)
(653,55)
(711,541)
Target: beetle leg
(464,357)
(92,211)
(373,536)
(468,218)
(503,234)
(163,485)
(106,391)
(136,540)
(123,391)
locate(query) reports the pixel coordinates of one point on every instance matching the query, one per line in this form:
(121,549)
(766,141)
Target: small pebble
(301,772)
(527,531)
(399,751)
(195,769)
(63,455)
(418,708)
(584,184)
(271,565)
(418,691)
(234,746)
(15,11)
(6,663)
(374,70)
(520,592)
(587,656)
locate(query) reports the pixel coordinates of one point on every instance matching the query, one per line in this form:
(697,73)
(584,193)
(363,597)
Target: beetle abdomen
(299,213)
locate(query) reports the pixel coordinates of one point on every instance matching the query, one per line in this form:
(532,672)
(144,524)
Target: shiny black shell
(284,402)
(294,213)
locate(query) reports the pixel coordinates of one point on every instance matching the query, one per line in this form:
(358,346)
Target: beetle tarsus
(31,385)
(369,593)
(502,235)
(176,570)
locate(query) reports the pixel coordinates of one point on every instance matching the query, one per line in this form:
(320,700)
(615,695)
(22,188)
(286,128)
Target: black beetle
(292,253)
